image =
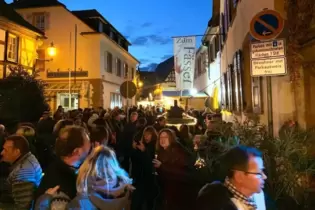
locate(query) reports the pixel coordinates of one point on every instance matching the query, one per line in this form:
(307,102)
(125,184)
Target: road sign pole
(269,105)
(128,90)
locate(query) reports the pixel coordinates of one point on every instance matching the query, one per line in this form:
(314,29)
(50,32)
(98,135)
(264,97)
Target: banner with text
(184,61)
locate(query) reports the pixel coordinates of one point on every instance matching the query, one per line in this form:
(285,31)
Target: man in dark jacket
(72,147)
(126,143)
(242,188)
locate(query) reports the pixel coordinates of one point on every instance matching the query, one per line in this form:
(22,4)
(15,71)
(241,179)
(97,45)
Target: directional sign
(269,49)
(268,67)
(266,25)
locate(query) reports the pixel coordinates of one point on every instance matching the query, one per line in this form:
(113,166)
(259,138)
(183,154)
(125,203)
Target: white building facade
(92,58)
(207,69)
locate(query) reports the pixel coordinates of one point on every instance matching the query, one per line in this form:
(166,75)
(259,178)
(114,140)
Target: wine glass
(154,169)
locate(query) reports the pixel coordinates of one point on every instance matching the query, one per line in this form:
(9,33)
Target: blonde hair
(101,164)
(25,131)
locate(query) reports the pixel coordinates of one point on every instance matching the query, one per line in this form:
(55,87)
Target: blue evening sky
(150,24)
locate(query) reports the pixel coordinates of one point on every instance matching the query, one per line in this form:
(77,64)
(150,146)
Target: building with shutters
(207,68)
(19,41)
(92,59)
(242,93)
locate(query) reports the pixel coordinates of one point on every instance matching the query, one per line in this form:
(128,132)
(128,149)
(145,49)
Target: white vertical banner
(184,61)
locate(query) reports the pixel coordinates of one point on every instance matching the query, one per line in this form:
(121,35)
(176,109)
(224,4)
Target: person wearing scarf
(242,189)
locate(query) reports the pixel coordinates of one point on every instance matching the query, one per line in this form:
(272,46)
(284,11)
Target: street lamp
(140,84)
(193,91)
(52,51)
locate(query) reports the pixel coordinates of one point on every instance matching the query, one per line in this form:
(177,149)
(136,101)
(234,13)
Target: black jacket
(215,196)
(58,173)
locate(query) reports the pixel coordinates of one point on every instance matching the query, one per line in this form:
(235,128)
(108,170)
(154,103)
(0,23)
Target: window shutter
(256,95)
(217,43)
(40,63)
(226,17)
(114,64)
(212,46)
(210,52)
(224,91)
(18,48)
(239,60)
(236,84)
(223,31)
(229,88)
(228,14)
(47,20)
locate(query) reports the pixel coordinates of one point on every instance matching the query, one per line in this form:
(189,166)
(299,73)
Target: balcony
(65,74)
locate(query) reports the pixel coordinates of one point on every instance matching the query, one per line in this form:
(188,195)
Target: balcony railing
(65,74)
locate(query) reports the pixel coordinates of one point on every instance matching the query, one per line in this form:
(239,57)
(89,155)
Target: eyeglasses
(255,173)
(261,174)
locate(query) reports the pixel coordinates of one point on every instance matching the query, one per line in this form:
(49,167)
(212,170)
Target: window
(12,48)
(126,71)
(118,67)
(115,100)
(39,21)
(132,73)
(109,62)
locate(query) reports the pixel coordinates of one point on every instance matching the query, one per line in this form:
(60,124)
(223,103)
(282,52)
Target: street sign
(128,89)
(268,67)
(268,58)
(266,25)
(269,49)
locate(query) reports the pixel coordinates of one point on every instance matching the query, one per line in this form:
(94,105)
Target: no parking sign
(266,25)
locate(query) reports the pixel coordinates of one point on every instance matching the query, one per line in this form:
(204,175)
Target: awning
(185,93)
(57,87)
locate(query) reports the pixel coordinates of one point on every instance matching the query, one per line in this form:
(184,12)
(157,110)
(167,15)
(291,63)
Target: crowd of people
(119,160)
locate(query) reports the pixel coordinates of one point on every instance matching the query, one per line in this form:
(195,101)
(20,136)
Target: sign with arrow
(266,25)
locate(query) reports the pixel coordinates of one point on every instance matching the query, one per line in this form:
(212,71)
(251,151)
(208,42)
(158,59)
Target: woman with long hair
(175,169)
(185,137)
(142,171)
(102,183)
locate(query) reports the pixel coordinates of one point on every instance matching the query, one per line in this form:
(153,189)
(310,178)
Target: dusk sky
(150,25)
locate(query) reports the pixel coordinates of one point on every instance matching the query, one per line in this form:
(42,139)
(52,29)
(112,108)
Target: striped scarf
(249,202)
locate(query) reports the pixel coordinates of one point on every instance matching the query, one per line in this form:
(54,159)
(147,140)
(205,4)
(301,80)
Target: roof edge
(105,20)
